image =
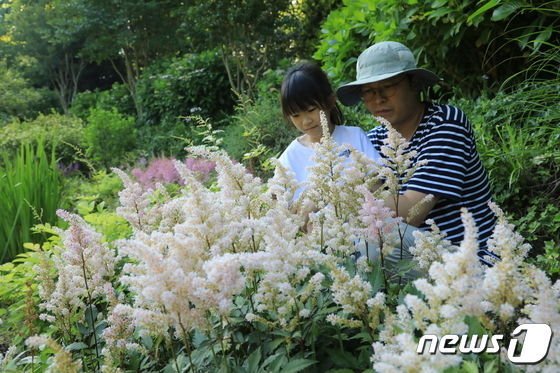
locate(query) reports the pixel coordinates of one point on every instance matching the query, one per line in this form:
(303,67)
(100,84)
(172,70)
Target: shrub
(258,131)
(20,100)
(61,132)
(517,138)
(30,191)
(117,97)
(172,90)
(110,136)
(470,44)
(86,194)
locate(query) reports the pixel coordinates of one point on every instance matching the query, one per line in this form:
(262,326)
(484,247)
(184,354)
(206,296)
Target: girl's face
(309,123)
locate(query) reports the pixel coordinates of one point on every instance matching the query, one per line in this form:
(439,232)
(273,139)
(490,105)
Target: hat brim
(350,94)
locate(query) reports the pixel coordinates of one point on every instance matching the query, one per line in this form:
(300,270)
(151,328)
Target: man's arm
(412,206)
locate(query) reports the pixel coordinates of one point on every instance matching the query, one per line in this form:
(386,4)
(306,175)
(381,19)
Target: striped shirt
(453,172)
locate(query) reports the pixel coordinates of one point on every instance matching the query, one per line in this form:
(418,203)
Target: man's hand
(412,206)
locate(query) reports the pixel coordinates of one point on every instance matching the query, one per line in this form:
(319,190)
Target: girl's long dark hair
(306,85)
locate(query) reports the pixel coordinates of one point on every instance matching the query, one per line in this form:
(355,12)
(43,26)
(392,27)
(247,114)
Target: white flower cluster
(191,256)
(459,286)
(62,361)
(85,268)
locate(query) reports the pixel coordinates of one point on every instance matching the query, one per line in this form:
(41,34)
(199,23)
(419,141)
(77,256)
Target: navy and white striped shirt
(453,172)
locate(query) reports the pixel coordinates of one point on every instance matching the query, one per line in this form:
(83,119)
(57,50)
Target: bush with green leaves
(30,191)
(18,96)
(471,44)
(171,90)
(518,140)
(517,137)
(110,137)
(116,97)
(258,131)
(61,132)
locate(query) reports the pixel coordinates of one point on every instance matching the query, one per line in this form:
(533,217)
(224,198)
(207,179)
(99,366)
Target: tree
(129,33)
(31,28)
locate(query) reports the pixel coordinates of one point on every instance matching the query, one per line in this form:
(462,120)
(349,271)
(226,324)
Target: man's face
(393,99)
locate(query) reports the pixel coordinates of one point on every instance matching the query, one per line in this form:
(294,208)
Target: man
(389,83)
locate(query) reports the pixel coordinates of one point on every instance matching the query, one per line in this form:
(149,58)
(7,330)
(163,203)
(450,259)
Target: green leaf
(439,3)
(483,9)
(298,365)
(469,367)
(403,266)
(504,11)
(542,37)
(253,360)
(343,358)
(76,346)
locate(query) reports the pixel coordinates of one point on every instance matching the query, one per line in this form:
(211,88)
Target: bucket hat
(382,61)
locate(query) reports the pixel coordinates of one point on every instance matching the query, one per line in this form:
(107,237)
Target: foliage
(61,132)
(109,136)
(30,191)
(98,191)
(19,298)
(172,91)
(116,97)
(460,40)
(180,86)
(255,40)
(258,132)
(302,21)
(19,99)
(517,138)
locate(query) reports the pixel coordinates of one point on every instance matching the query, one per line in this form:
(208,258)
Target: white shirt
(297,157)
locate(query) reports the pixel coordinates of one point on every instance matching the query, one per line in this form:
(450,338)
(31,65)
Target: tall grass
(30,192)
(518,133)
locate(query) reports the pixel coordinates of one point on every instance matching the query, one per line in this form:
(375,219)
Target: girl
(305,92)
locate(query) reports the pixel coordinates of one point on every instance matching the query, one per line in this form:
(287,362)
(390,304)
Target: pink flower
(162,170)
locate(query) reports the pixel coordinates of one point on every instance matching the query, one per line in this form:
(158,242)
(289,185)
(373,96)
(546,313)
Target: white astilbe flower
(379,222)
(138,206)
(240,199)
(204,229)
(544,308)
(399,166)
(224,280)
(504,283)
(165,274)
(354,297)
(455,282)
(118,335)
(85,267)
(397,158)
(429,246)
(282,186)
(451,293)
(401,356)
(62,360)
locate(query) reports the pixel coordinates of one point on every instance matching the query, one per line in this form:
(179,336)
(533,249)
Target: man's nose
(380,97)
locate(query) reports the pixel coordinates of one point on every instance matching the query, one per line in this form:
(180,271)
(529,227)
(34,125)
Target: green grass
(30,193)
